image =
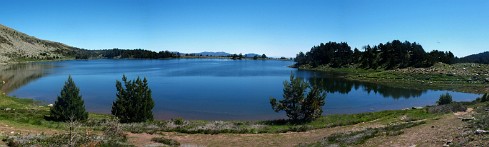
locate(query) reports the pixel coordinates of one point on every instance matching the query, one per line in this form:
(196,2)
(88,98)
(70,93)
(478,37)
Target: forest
(391,55)
(123,53)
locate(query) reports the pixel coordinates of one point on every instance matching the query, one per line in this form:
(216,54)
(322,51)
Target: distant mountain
(213,54)
(477,58)
(17,46)
(251,55)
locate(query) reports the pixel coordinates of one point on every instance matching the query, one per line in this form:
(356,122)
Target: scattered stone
(479,131)
(50,105)
(466,119)
(8,109)
(487,80)
(12,132)
(417,108)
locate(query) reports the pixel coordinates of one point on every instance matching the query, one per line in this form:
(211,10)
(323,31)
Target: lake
(206,89)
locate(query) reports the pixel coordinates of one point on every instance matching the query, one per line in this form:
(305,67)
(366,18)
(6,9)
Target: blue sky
(273,27)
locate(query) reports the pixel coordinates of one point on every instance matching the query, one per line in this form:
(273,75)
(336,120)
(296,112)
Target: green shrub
(448,108)
(178,121)
(166,141)
(444,99)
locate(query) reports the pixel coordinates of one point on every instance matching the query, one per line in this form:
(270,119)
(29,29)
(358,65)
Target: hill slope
(17,46)
(477,58)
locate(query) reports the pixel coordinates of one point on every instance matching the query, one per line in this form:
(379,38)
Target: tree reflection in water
(337,85)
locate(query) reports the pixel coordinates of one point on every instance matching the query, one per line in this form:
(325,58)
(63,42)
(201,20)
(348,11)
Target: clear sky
(273,27)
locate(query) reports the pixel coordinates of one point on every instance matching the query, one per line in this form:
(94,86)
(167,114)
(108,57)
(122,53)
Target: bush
(484,98)
(444,99)
(134,102)
(166,141)
(298,106)
(178,121)
(69,105)
(448,108)
(481,120)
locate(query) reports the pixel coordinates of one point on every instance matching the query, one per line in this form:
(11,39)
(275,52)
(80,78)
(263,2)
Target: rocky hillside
(16,46)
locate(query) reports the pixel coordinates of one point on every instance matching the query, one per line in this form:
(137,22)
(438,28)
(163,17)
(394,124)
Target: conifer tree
(69,105)
(299,106)
(134,102)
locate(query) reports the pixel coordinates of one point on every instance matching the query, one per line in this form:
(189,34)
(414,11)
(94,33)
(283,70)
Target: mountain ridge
(18,46)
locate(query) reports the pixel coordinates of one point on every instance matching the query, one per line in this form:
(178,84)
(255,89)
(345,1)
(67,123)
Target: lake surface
(208,89)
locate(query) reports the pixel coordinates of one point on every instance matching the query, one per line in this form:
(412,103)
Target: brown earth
(438,132)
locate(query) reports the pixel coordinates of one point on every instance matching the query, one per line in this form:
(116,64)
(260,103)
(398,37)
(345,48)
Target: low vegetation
(463,77)
(31,114)
(359,137)
(166,141)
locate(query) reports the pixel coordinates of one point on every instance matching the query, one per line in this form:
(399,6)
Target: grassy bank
(28,114)
(463,77)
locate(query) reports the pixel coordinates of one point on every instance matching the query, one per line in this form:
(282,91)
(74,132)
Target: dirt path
(434,133)
(278,139)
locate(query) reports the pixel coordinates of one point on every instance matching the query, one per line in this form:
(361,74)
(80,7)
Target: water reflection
(14,76)
(342,86)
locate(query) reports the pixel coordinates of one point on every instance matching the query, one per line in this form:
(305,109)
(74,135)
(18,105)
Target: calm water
(210,89)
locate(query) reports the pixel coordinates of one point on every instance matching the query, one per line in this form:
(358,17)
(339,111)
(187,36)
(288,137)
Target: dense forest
(391,55)
(124,53)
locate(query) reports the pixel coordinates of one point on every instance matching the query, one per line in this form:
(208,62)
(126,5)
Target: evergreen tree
(484,98)
(297,106)
(263,56)
(134,102)
(444,99)
(69,105)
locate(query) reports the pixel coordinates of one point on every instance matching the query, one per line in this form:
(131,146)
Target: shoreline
(403,78)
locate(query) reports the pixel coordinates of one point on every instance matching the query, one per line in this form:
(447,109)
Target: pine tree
(298,106)
(134,102)
(69,105)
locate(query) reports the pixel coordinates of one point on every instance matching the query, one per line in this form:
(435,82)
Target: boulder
(479,131)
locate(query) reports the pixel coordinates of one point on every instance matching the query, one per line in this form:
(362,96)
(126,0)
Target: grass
(27,113)
(459,77)
(278,126)
(166,141)
(15,103)
(359,137)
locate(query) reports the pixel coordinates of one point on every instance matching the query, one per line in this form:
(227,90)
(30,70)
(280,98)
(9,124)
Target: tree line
(391,55)
(124,53)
